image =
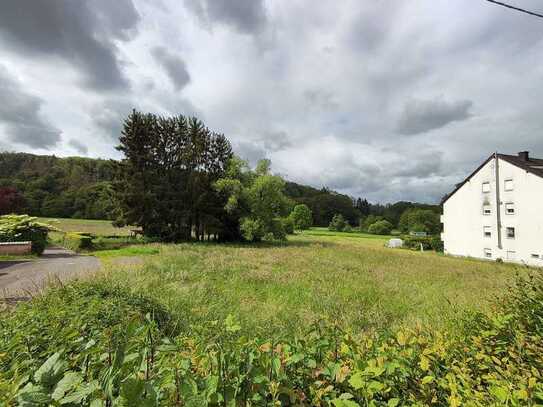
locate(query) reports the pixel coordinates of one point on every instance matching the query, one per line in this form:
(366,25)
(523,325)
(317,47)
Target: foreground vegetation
(98,344)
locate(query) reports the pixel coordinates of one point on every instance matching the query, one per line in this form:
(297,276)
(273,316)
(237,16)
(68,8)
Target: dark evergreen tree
(165,181)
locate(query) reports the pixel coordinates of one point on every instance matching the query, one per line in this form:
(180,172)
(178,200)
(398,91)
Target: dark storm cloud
(424,165)
(250,152)
(268,142)
(174,66)
(108,117)
(78,146)
(21,117)
(372,25)
(275,141)
(246,16)
(420,116)
(79,32)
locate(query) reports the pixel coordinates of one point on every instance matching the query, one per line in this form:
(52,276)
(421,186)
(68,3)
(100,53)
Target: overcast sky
(384,99)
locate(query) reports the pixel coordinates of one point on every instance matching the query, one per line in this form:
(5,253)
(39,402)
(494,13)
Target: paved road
(20,279)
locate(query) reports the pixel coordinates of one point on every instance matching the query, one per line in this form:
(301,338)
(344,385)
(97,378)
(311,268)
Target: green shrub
(414,242)
(436,243)
(288,225)
(369,220)
(251,230)
(381,227)
(277,230)
(427,242)
(77,241)
(338,223)
(24,228)
(302,217)
(254,231)
(348,228)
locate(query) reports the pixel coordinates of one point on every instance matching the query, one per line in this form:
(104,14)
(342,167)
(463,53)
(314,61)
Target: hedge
(427,242)
(77,241)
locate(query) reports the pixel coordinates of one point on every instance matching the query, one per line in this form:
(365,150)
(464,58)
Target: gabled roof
(531,165)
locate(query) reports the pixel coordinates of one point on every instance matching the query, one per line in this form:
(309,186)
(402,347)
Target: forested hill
(81,188)
(324,203)
(57,187)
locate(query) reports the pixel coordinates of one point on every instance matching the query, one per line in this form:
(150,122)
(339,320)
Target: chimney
(524,155)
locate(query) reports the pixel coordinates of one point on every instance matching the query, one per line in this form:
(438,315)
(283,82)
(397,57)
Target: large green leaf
(33,395)
(357,381)
(51,371)
(67,383)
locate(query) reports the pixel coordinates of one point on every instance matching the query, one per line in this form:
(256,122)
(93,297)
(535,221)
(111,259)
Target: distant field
(320,231)
(97,227)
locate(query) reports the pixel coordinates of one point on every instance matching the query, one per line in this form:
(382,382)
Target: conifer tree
(165,181)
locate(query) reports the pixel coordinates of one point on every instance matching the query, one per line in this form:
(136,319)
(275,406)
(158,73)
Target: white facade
(511,196)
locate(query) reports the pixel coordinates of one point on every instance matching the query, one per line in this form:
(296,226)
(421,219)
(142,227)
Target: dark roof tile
(533,165)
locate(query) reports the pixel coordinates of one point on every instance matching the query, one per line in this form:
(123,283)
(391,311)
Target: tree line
(178,180)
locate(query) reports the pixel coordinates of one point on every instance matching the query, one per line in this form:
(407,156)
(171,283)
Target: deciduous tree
(11,201)
(302,217)
(257,198)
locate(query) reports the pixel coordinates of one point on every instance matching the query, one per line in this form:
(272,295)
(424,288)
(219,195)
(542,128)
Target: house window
(535,256)
(511,255)
(510,232)
(488,253)
(487,230)
(508,185)
(486,186)
(510,208)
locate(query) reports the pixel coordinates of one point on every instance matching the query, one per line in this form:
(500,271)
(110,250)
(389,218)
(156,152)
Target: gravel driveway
(21,279)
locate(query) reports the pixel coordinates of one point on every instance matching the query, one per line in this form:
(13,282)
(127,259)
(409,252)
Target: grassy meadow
(284,287)
(278,289)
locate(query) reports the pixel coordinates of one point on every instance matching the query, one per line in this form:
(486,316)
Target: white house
(497,212)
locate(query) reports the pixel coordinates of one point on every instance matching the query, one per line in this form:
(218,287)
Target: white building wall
(464,221)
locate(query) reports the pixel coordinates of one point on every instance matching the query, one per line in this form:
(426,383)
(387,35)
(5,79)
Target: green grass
(7,257)
(283,288)
(325,232)
(350,277)
(128,251)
